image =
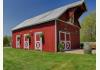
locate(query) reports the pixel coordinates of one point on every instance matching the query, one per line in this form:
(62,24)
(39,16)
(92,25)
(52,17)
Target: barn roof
(50,15)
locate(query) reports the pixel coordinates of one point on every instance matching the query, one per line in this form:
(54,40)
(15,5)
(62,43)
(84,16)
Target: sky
(16,11)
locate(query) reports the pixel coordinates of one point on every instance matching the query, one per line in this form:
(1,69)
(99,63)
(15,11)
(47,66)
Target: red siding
(49,36)
(64,16)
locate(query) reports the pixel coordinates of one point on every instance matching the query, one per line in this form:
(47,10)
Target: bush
(61,47)
(6,41)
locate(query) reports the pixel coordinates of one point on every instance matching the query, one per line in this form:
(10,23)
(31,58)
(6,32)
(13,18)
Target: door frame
(16,41)
(65,38)
(40,41)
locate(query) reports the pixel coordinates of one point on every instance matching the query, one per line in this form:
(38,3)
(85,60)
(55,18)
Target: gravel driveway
(79,51)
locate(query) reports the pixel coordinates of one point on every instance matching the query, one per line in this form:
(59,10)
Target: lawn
(19,59)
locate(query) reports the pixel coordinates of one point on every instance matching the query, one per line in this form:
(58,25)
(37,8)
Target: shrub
(6,41)
(61,47)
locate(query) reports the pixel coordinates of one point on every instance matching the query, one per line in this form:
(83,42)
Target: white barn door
(38,41)
(17,41)
(64,38)
(26,42)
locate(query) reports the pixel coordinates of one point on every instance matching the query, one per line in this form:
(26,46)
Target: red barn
(46,31)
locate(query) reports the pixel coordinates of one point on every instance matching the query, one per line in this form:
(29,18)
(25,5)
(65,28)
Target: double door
(65,39)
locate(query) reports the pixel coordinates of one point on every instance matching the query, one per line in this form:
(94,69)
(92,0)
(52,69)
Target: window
(62,36)
(71,17)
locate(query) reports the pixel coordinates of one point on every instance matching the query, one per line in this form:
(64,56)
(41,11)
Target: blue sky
(16,11)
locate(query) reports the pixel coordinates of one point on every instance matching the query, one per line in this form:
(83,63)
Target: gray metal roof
(50,15)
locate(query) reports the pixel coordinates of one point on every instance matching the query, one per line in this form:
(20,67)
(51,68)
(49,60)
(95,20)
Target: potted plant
(61,47)
(18,38)
(28,36)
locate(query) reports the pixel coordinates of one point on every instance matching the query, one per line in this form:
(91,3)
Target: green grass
(19,59)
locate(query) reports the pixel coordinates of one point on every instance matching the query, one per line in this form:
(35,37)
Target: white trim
(65,38)
(24,42)
(38,41)
(17,41)
(55,35)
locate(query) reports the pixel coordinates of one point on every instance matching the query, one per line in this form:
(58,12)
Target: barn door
(64,38)
(26,41)
(68,42)
(38,41)
(18,41)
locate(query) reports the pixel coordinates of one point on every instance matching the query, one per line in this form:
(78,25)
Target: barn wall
(47,28)
(74,33)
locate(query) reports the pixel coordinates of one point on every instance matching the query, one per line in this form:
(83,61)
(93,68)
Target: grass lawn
(19,59)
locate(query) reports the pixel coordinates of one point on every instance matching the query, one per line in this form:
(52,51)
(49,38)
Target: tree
(6,41)
(88,28)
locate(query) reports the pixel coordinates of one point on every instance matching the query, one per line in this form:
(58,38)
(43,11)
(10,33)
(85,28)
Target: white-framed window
(71,17)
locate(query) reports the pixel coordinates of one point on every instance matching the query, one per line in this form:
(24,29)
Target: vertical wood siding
(48,30)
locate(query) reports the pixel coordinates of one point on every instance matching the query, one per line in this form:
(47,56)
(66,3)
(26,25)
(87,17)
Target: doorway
(38,41)
(64,38)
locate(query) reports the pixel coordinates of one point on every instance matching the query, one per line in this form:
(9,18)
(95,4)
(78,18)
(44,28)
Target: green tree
(88,28)
(6,41)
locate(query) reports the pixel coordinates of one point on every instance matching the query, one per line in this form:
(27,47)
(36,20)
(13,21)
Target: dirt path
(79,51)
